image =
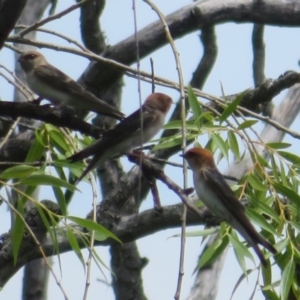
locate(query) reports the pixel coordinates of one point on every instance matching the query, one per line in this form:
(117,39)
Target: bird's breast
(45,90)
(211,200)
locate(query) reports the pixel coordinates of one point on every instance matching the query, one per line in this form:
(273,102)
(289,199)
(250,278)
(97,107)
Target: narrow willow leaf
(256,183)
(212,252)
(270,294)
(260,220)
(247,124)
(36,151)
(171,142)
(190,125)
(17,232)
(295,159)
(262,161)
(287,278)
(279,145)
(284,179)
(287,192)
(231,107)
(274,168)
(265,209)
(44,179)
(220,144)
(75,246)
(233,144)
(204,232)
(61,200)
(267,275)
(59,141)
(239,249)
(18,172)
(91,225)
(195,107)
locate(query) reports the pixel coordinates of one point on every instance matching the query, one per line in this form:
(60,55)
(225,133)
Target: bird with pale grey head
(55,86)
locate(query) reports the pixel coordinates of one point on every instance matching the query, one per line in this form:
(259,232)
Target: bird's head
(199,158)
(30,59)
(159,101)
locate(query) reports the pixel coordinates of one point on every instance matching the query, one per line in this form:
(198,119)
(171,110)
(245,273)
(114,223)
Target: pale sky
(233,69)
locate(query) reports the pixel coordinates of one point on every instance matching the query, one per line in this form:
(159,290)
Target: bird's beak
(182,155)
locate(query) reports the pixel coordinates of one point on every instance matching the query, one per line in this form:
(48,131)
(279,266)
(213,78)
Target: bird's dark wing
(130,125)
(123,130)
(65,84)
(58,79)
(224,192)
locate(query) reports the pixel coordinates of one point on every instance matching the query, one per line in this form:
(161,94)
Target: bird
(135,130)
(52,84)
(216,194)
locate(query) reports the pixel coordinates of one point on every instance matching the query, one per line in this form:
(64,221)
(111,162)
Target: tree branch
(56,116)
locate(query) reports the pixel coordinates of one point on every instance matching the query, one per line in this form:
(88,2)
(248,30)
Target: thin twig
(62,36)
(51,18)
(147,77)
(10,132)
(139,89)
(184,134)
(92,237)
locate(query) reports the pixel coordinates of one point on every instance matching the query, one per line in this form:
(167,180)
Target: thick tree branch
(126,228)
(186,20)
(10,11)
(45,113)
(91,33)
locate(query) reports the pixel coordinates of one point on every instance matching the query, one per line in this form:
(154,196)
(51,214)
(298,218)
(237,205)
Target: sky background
(233,69)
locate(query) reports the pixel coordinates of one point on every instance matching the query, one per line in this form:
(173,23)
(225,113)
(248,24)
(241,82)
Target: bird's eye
(30,56)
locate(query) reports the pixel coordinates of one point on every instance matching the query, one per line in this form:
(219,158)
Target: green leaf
(212,252)
(17,232)
(287,278)
(295,159)
(274,167)
(233,144)
(260,220)
(264,208)
(270,294)
(43,179)
(204,232)
(60,198)
(18,172)
(287,192)
(256,183)
(219,142)
(231,107)
(91,225)
(190,125)
(267,275)
(75,246)
(278,145)
(59,141)
(36,150)
(195,107)
(171,142)
(240,251)
(247,124)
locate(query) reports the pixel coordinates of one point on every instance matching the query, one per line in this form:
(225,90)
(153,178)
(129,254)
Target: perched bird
(128,134)
(216,194)
(50,83)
